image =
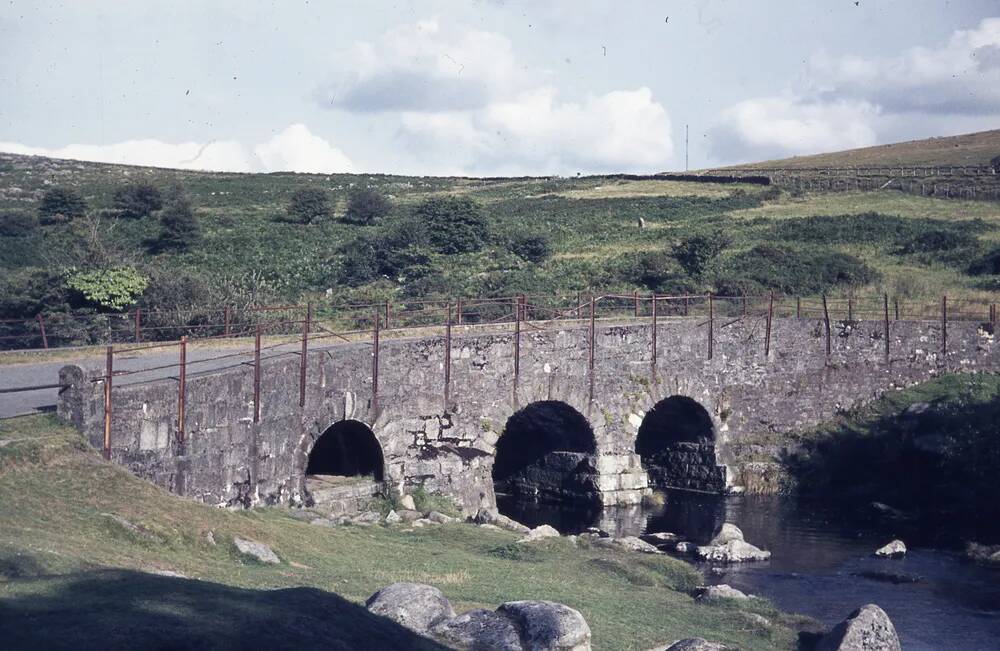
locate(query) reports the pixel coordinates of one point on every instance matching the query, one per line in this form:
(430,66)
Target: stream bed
(820,555)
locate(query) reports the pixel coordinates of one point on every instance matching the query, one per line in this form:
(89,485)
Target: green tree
(179,228)
(137,200)
(531,247)
(111,289)
(696,253)
(366,205)
(453,224)
(61,205)
(307,205)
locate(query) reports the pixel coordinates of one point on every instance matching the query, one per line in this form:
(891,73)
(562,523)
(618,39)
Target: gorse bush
(61,205)
(793,270)
(531,247)
(137,200)
(307,205)
(366,205)
(17,224)
(696,253)
(179,228)
(870,227)
(933,241)
(452,224)
(987,264)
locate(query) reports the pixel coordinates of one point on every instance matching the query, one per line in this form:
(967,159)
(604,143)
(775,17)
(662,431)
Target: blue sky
(488,87)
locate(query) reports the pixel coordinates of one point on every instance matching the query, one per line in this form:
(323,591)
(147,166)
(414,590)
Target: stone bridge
(559,411)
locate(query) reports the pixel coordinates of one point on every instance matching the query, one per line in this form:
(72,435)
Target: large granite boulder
(478,630)
(257,551)
(734,551)
(895,549)
(728,532)
(717,592)
(416,606)
(866,629)
(548,626)
(540,532)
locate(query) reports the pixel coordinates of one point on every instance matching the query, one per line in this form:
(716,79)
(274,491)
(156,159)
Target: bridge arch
(676,443)
(348,448)
(546,452)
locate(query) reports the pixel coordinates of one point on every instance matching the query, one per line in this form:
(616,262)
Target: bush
(137,200)
(110,289)
(391,252)
(986,265)
(61,205)
(657,272)
(452,224)
(308,205)
(793,271)
(937,240)
(533,248)
(696,253)
(179,228)
(17,224)
(365,205)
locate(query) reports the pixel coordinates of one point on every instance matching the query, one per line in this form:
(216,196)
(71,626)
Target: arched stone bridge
(609,424)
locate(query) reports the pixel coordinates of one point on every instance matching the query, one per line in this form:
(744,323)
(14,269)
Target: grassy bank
(71,576)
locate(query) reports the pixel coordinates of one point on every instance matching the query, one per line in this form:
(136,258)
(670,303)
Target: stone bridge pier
(558,412)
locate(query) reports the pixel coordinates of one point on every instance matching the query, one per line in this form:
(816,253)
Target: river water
(818,554)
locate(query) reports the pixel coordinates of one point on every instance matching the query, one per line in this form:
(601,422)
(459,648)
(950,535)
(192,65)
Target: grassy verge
(71,575)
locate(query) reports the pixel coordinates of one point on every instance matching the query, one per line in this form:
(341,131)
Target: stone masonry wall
(446,442)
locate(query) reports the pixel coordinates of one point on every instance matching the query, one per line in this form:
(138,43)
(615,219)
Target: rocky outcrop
(256,550)
(734,551)
(866,629)
(895,549)
(416,606)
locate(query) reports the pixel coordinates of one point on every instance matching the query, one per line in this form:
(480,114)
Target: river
(818,555)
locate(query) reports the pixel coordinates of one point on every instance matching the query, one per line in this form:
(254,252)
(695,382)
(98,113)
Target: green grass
(81,578)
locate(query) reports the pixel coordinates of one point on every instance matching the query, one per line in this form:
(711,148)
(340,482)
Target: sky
(488,87)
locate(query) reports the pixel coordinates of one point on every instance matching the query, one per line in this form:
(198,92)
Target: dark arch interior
(673,420)
(348,448)
(538,429)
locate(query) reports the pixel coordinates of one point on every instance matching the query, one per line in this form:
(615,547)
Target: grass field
(71,576)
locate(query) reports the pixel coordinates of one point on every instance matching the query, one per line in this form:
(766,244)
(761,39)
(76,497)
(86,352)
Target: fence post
(579,303)
(744,301)
(256,375)
(109,373)
(227,317)
(770,316)
(850,308)
(798,307)
(447,359)
(590,347)
(944,326)
(685,306)
(387,311)
(826,322)
(654,336)
(304,356)
(138,324)
(458,310)
(711,326)
(41,327)
(635,299)
(885,322)
(375,352)
(517,346)
(895,303)
(182,393)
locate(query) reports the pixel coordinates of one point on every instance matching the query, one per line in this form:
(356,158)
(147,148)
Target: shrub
(61,205)
(137,200)
(657,272)
(391,252)
(307,205)
(936,240)
(987,264)
(112,289)
(453,224)
(365,205)
(17,224)
(179,228)
(793,270)
(696,253)
(533,248)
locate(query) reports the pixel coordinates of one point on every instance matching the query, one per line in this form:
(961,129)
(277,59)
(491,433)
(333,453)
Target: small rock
(693,644)
(734,551)
(393,518)
(895,549)
(409,516)
(548,626)
(684,548)
(866,629)
(487,525)
(406,502)
(540,532)
(661,538)
(423,522)
(210,538)
(366,518)
(440,518)
(600,533)
(634,544)
(256,550)
(717,592)
(416,606)
(134,529)
(478,630)
(728,532)
(321,522)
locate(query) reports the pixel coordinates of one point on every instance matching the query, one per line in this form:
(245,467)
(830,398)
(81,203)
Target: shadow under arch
(348,448)
(546,452)
(676,443)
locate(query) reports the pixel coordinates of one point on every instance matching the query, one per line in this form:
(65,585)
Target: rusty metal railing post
(256,375)
(826,323)
(138,324)
(711,325)
(944,325)
(635,300)
(517,345)
(304,355)
(744,305)
(885,323)
(686,306)
(41,328)
(579,303)
(227,319)
(387,313)
(182,391)
(770,317)
(109,373)
(458,312)
(895,303)
(447,359)
(798,307)
(375,353)
(850,308)
(653,336)
(590,348)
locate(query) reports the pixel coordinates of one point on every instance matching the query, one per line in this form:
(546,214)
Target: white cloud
(295,149)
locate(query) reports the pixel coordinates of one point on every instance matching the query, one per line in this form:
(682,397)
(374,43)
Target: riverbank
(73,573)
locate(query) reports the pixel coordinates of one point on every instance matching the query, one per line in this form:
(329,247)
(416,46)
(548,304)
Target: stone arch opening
(676,443)
(546,452)
(345,468)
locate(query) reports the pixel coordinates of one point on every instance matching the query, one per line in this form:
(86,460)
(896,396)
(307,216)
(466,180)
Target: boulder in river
(734,551)
(416,606)
(630,543)
(728,532)
(866,629)
(540,532)
(895,549)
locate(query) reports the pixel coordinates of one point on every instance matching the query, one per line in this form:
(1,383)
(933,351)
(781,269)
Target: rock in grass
(717,592)
(409,516)
(548,626)
(634,544)
(406,502)
(734,551)
(895,549)
(540,532)
(693,644)
(866,629)
(728,532)
(416,606)
(478,630)
(393,518)
(134,529)
(440,518)
(321,522)
(256,550)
